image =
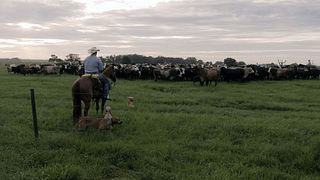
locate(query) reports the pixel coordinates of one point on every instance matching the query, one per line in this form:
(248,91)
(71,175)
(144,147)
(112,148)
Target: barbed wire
(43,95)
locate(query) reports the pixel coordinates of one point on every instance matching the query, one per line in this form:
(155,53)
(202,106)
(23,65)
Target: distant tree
(241,63)
(55,59)
(160,60)
(112,59)
(191,60)
(103,59)
(126,60)
(15,59)
(140,59)
(73,58)
(200,61)
(230,62)
(218,63)
(109,59)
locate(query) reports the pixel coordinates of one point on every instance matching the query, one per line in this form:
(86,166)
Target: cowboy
(94,66)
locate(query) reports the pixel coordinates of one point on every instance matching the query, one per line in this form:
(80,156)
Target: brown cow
(278,73)
(207,75)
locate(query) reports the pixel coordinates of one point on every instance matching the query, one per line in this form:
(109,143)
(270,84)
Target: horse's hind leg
(86,108)
(76,113)
(97,105)
(76,109)
(102,104)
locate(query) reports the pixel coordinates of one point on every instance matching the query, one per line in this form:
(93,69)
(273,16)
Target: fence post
(34,114)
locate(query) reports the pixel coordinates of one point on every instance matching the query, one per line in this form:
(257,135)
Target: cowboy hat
(93,50)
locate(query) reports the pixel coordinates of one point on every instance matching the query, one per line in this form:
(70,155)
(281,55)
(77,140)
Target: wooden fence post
(34,114)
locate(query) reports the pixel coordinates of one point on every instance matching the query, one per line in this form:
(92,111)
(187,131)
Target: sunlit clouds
(161,37)
(99,6)
(29,26)
(31,42)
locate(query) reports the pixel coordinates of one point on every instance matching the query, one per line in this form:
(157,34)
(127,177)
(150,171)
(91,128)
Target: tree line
(141,59)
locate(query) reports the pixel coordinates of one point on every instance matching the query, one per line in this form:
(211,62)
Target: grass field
(255,130)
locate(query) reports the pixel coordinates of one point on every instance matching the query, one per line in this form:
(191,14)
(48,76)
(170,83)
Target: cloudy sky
(247,30)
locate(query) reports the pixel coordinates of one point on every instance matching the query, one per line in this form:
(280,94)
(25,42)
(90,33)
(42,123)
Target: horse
(86,89)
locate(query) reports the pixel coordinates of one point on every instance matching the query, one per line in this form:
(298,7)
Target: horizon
(82,59)
(253,31)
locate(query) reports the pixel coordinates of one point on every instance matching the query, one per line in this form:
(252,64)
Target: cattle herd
(58,69)
(204,74)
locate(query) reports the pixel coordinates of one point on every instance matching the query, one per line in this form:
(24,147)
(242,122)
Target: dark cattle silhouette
(167,74)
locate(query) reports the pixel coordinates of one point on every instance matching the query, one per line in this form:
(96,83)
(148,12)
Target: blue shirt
(93,64)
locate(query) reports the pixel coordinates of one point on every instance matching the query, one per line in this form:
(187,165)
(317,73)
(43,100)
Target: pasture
(177,130)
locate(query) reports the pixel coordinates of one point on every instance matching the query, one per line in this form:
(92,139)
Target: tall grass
(177,130)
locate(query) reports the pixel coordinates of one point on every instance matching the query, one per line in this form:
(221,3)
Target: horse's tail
(76,98)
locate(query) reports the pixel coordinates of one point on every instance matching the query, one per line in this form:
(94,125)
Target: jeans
(105,85)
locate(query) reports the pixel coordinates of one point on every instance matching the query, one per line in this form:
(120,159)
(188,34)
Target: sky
(253,31)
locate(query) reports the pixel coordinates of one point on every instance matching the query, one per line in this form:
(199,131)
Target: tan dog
(108,114)
(99,123)
(130,102)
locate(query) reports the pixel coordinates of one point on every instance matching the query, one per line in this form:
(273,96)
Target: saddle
(96,84)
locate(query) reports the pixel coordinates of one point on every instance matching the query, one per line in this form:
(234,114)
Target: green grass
(255,130)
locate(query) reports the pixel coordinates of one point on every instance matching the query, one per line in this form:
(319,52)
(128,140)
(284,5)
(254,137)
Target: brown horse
(86,89)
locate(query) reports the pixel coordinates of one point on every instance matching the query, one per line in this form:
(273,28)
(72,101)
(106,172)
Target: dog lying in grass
(104,123)
(97,123)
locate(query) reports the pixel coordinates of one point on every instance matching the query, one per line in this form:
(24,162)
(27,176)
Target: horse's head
(110,72)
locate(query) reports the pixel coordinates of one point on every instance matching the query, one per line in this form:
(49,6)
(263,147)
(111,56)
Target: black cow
(25,69)
(146,72)
(260,72)
(314,72)
(189,73)
(232,74)
(236,73)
